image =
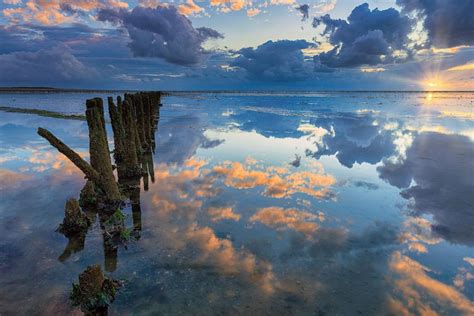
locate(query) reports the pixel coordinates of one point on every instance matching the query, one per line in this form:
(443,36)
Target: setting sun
(432,85)
(434,82)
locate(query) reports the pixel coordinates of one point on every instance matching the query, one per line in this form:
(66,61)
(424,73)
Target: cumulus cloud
(222,213)
(189,8)
(437,163)
(56,11)
(178,201)
(284,219)
(174,144)
(277,182)
(448,23)
(275,61)
(368,37)
(162,32)
(46,66)
(230,5)
(10,180)
(354,138)
(268,124)
(414,287)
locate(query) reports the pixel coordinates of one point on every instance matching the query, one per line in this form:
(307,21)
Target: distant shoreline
(55,90)
(75,90)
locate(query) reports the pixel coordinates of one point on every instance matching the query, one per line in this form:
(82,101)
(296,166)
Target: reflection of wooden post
(99,148)
(110,256)
(134,195)
(150,167)
(75,244)
(75,222)
(94,292)
(145,173)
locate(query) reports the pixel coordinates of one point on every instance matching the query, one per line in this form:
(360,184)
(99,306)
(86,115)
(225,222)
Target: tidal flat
(311,203)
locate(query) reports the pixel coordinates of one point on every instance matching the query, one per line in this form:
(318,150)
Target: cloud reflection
(283,219)
(354,138)
(415,286)
(176,204)
(440,168)
(277,182)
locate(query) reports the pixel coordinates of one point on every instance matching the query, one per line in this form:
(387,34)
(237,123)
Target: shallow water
(289,203)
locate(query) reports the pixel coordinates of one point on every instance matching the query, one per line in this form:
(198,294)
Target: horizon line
(172,91)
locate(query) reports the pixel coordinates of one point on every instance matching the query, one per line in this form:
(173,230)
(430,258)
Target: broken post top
(95,103)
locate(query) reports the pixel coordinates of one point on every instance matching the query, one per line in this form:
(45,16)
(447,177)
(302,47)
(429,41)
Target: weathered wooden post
(137,101)
(94,292)
(117,127)
(99,148)
(77,160)
(130,145)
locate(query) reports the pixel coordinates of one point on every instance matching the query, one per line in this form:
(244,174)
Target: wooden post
(99,148)
(77,160)
(130,145)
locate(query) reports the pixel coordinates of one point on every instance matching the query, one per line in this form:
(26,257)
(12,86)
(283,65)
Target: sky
(238,44)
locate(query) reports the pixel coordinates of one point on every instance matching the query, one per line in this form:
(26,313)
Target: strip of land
(77,117)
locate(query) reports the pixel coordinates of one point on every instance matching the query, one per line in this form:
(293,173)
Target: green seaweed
(52,114)
(117,217)
(94,292)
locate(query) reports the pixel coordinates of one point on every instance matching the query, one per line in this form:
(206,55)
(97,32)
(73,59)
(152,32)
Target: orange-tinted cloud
(53,12)
(10,179)
(253,12)
(222,213)
(417,247)
(419,293)
(466,67)
(469,260)
(223,254)
(189,8)
(417,234)
(278,182)
(176,203)
(283,219)
(230,5)
(462,277)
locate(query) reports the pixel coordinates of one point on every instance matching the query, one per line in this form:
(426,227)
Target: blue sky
(238,44)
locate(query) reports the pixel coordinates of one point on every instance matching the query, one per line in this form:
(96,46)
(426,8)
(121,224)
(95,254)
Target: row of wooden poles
(134,121)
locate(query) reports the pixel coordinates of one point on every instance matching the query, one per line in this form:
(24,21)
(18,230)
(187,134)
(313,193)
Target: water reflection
(437,176)
(373,219)
(355,138)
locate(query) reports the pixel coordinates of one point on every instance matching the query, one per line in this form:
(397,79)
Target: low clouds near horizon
(110,42)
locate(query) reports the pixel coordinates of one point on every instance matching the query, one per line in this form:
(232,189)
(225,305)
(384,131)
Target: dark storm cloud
(443,171)
(46,66)
(22,38)
(162,32)
(83,40)
(275,61)
(368,37)
(448,22)
(354,139)
(304,10)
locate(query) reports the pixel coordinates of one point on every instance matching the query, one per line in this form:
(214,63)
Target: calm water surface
(311,204)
